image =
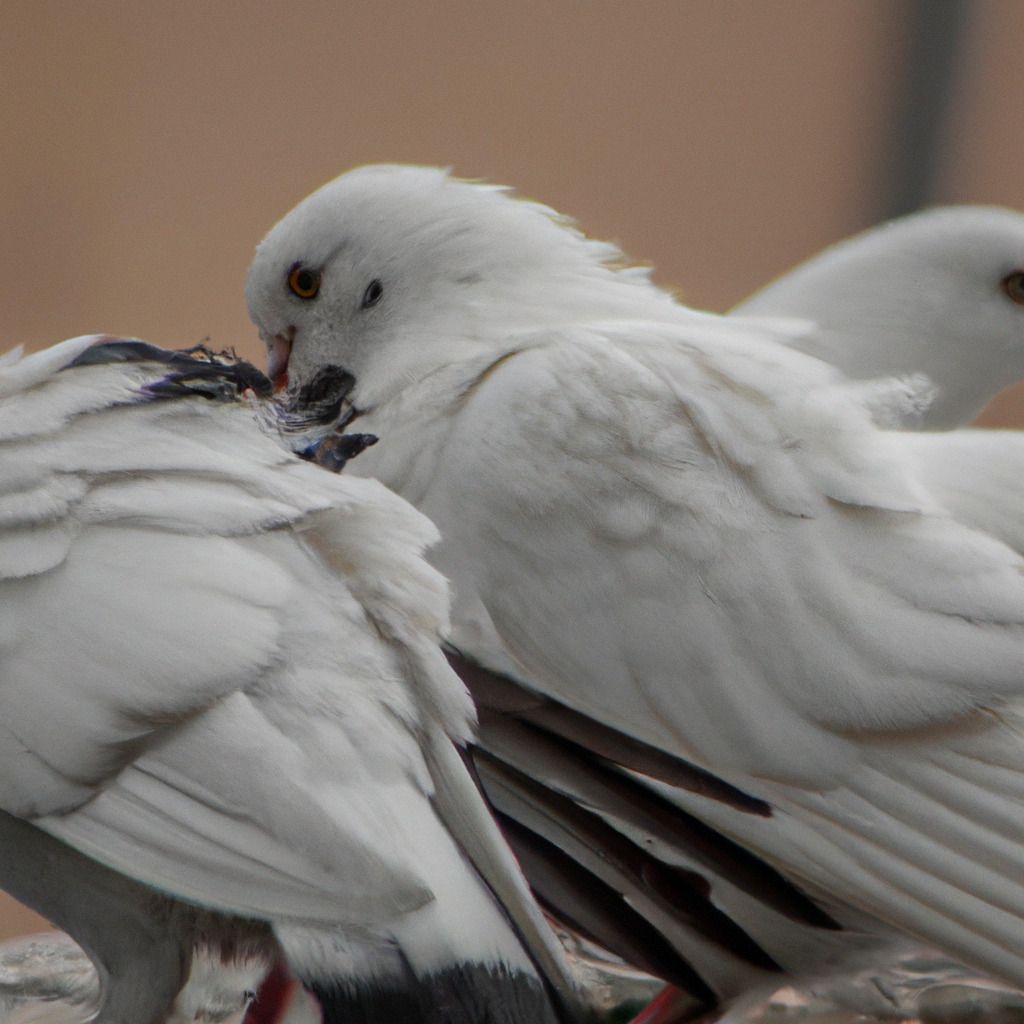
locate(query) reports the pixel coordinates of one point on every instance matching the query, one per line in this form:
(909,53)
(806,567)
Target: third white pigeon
(938,293)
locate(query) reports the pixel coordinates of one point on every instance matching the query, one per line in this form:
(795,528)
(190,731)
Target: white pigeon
(938,293)
(724,641)
(226,728)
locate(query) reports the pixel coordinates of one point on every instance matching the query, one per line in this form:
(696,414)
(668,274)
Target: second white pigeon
(731,650)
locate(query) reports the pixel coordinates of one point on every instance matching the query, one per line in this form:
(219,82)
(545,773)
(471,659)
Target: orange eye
(1013,285)
(304,282)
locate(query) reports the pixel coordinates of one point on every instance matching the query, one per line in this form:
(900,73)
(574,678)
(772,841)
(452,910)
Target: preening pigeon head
(940,292)
(390,270)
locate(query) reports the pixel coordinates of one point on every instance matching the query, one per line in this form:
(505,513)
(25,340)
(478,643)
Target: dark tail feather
(586,904)
(499,693)
(569,769)
(631,870)
(467,994)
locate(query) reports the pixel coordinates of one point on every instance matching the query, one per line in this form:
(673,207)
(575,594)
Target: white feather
(921,295)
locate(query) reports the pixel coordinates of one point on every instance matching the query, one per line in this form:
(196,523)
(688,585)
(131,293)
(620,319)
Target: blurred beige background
(147,147)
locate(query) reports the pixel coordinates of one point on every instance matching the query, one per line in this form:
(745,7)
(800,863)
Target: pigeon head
(390,271)
(939,292)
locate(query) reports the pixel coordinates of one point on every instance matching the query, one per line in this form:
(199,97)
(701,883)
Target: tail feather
(597,911)
(927,838)
(633,872)
(570,770)
(462,995)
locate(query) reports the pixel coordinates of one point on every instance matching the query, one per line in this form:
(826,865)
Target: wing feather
(201,817)
(765,584)
(977,475)
(841,595)
(188,692)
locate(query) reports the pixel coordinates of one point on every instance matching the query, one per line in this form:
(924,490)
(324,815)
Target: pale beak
(278,351)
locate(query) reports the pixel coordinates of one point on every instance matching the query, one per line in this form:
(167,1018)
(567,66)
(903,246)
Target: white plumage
(221,679)
(938,293)
(683,528)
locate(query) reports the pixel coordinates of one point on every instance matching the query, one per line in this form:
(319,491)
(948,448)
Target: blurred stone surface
(970,1004)
(615,991)
(46,979)
(927,988)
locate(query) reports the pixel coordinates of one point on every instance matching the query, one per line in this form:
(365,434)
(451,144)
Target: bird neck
(413,424)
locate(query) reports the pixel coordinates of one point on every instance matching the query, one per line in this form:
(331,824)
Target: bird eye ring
(304,282)
(373,294)
(1013,285)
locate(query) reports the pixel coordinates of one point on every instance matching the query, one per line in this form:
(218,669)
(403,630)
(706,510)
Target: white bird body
(977,474)
(682,528)
(934,295)
(938,293)
(221,679)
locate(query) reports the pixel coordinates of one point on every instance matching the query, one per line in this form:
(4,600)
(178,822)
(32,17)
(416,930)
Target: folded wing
(702,540)
(166,624)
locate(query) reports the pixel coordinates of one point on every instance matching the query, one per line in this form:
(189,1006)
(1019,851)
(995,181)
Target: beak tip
(277,361)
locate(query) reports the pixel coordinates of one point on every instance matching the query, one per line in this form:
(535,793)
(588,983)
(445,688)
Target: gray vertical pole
(934,55)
